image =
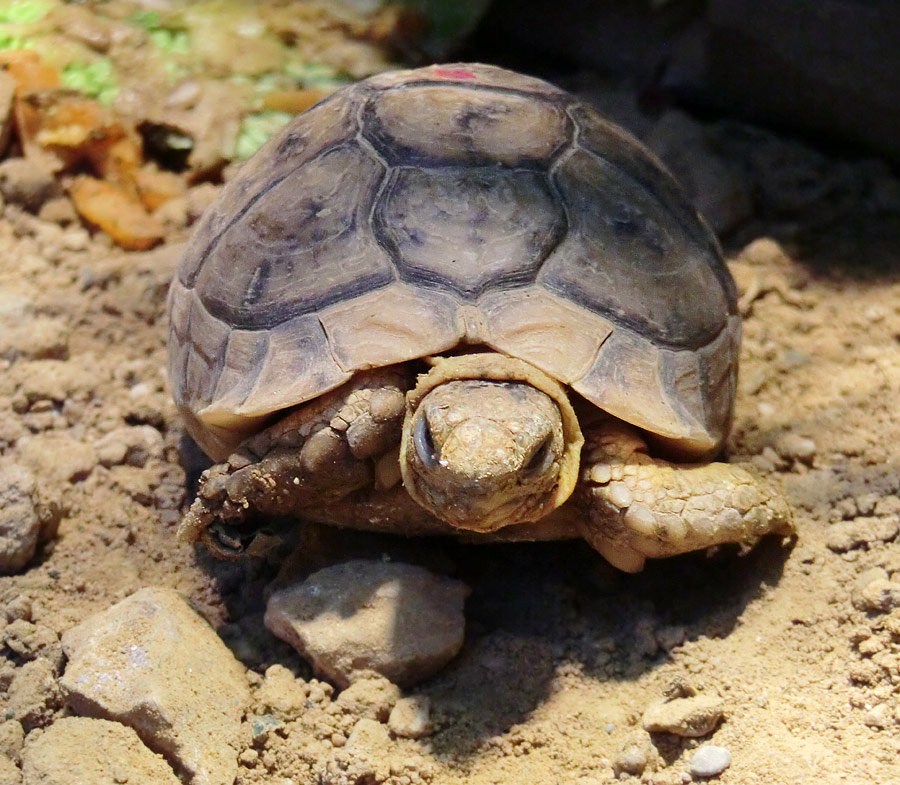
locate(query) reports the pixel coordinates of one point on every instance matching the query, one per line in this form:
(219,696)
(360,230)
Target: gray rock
(709,761)
(351,619)
(152,663)
(92,752)
(693,716)
(20,524)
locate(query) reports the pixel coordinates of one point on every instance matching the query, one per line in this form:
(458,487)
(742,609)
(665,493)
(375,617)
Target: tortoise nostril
(424,441)
(542,457)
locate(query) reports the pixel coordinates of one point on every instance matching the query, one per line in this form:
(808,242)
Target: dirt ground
(563,654)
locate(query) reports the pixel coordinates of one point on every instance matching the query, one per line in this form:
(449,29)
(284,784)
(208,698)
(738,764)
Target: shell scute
(325,125)
(469,229)
(452,125)
(303,245)
(626,258)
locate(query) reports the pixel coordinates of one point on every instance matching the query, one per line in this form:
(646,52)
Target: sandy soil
(563,654)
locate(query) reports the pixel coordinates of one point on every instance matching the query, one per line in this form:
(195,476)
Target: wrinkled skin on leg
(633,507)
(317,454)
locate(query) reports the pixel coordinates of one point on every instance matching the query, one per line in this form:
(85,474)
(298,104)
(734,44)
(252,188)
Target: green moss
(20,12)
(96,80)
(10,41)
(168,38)
(171,41)
(316,75)
(256,129)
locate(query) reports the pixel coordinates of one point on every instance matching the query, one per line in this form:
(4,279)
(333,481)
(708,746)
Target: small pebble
(694,716)
(709,761)
(878,717)
(796,447)
(632,759)
(25,183)
(19,520)
(411,717)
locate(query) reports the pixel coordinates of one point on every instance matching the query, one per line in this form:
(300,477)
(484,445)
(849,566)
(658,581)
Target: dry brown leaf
(116,211)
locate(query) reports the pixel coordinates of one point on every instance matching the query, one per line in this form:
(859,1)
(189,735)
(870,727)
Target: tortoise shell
(459,204)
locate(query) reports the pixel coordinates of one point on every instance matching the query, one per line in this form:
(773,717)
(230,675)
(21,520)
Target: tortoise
(455,299)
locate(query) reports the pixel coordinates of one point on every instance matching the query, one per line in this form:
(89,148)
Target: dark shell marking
(420,209)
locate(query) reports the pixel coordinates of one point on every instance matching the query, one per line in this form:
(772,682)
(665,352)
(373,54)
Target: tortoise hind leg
(636,507)
(316,454)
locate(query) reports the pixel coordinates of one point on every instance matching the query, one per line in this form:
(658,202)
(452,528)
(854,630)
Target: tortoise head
(489,441)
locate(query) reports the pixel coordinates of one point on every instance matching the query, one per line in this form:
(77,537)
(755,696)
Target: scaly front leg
(315,455)
(636,507)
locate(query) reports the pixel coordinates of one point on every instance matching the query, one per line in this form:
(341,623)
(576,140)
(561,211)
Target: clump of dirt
(797,645)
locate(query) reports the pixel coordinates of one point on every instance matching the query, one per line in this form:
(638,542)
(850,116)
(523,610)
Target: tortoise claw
(227,542)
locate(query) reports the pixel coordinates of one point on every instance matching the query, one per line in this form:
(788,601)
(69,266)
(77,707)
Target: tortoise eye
(542,458)
(424,441)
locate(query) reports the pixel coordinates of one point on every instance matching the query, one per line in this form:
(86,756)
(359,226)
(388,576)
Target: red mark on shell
(454,73)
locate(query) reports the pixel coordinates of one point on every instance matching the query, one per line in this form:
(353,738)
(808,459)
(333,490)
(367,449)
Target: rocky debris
(281,693)
(18,607)
(351,619)
(709,761)
(25,183)
(12,737)
(717,189)
(796,447)
(152,663)
(362,758)
(633,757)
(59,458)
(411,717)
(32,641)
(879,717)
(874,592)
(92,752)
(34,694)
(372,697)
(694,716)
(847,535)
(51,380)
(9,772)
(131,444)
(58,210)
(29,335)
(20,525)
(262,726)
